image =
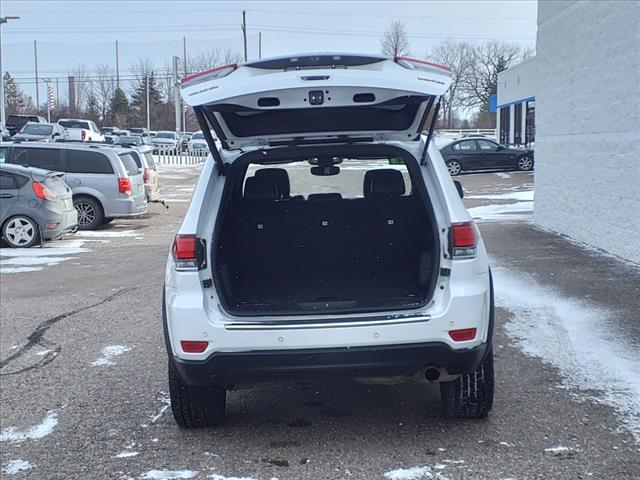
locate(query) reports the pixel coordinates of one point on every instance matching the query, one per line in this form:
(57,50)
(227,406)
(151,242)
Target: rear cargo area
(291,243)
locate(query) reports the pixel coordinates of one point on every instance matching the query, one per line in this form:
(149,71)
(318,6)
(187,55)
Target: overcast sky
(69,33)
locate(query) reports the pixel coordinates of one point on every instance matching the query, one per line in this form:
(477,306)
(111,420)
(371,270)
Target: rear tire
(90,213)
(454,167)
(105,221)
(471,395)
(20,232)
(195,407)
(525,164)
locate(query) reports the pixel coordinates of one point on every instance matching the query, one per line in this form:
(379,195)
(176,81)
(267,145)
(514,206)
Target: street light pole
(3,20)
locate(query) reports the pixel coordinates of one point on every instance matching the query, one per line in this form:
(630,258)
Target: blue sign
(493,103)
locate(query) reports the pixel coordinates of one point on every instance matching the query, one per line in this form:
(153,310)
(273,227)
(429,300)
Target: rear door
(493,156)
(9,192)
(135,176)
(468,153)
(316,99)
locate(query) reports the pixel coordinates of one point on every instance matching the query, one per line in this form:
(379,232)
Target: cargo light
(464,240)
(463,335)
(213,74)
(193,346)
(43,192)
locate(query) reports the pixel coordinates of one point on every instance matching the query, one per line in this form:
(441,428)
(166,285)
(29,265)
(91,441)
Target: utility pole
(3,20)
(259,44)
(184,74)
(176,96)
(57,92)
(148,109)
(46,82)
(35,57)
(244,32)
(117,67)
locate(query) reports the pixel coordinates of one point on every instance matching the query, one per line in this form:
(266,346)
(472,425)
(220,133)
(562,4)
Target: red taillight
(193,346)
(124,186)
(415,64)
(83,134)
(212,74)
(463,335)
(42,192)
(145,175)
(185,251)
(464,240)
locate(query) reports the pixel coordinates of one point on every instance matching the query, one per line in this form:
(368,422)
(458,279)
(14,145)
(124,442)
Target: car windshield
(129,140)
(74,124)
(170,135)
(198,136)
(37,129)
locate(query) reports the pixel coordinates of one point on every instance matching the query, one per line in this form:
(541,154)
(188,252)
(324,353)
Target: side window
(3,154)
(467,145)
(45,158)
(7,182)
(81,161)
(150,161)
(486,145)
(136,158)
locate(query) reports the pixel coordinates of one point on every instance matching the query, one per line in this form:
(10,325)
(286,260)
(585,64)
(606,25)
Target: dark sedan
(469,154)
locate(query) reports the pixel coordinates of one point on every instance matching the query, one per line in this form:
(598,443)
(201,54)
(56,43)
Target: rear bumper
(222,368)
(126,207)
(67,223)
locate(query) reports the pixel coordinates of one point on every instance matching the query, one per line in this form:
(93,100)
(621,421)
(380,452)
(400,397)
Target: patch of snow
(20,269)
(108,353)
(556,450)
(107,233)
(578,338)
(13,435)
(503,175)
(48,261)
(127,454)
(216,476)
(507,212)
(522,196)
(43,353)
(416,473)
(168,474)
(506,444)
(15,466)
(166,403)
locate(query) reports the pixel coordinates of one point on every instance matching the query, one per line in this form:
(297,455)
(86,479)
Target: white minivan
(325,238)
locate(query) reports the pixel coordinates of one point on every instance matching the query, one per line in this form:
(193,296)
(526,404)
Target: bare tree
(457,56)
(103,89)
(395,43)
(481,78)
(212,58)
(82,86)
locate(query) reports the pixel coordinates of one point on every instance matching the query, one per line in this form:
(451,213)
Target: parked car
(184,141)
(133,140)
(5,136)
(165,140)
(480,153)
(16,122)
(139,131)
(105,181)
(198,142)
(36,206)
(84,130)
(43,132)
(305,254)
(143,157)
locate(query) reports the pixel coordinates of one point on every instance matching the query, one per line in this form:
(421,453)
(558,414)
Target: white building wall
(587,156)
(516,85)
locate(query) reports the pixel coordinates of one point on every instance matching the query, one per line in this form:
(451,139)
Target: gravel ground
(84,387)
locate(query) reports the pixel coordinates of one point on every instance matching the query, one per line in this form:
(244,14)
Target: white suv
(325,238)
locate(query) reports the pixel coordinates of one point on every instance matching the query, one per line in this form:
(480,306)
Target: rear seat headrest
(260,188)
(383,182)
(280,177)
(324,196)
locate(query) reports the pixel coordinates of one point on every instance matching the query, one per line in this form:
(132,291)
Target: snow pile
(13,435)
(108,353)
(20,260)
(215,476)
(16,466)
(580,339)
(168,474)
(416,473)
(518,211)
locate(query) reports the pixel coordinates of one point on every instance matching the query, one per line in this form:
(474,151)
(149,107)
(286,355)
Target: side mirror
(500,147)
(459,188)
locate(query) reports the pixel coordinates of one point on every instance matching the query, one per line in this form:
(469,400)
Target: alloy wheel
(20,231)
(454,168)
(525,163)
(86,213)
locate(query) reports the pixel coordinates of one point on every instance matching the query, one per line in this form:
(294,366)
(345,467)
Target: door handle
(6,195)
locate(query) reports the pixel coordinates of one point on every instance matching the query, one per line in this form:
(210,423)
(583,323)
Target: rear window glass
(348,183)
(136,158)
(45,158)
(7,181)
(56,184)
(129,164)
(80,161)
(74,124)
(37,129)
(150,161)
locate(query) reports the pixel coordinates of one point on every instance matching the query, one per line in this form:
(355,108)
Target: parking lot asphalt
(83,387)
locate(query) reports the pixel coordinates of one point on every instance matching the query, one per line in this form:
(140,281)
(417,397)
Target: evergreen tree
(139,100)
(15,101)
(119,108)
